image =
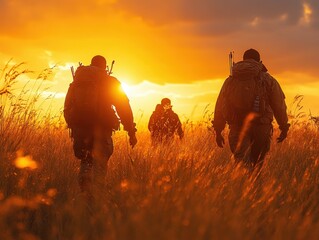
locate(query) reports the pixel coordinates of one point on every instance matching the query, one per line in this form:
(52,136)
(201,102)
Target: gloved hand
(132,139)
(283,133)
(282,136)
(220,139)
(131,129)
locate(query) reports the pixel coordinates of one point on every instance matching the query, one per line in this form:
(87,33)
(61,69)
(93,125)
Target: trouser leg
(82,146)
(93,148)
(86,174)
(102,151)
(239,143)
(261,143)
(250,145)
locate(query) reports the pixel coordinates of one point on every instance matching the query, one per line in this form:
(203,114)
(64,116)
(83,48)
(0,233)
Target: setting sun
(127,89)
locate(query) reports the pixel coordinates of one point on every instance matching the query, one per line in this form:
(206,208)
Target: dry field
(188,190)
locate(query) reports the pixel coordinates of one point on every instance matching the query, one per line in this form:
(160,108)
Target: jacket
(275,106)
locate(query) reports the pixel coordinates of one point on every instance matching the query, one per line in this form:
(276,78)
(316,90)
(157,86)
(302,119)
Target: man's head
(166,104)
(98,61)
(252,54)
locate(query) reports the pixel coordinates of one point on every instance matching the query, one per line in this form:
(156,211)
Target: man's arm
(277,102)
(123,109)
(68,105)
(279,107)
(219,121)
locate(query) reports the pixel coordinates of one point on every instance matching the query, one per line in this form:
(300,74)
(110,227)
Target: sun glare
(25,161)
(127,88)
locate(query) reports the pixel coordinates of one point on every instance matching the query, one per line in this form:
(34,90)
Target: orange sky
(176,48)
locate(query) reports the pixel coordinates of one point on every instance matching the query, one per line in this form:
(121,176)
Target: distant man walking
(89,110)
(248,101)
(164,123)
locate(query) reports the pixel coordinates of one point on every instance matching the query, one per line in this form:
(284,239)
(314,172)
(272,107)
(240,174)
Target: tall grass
(190,189)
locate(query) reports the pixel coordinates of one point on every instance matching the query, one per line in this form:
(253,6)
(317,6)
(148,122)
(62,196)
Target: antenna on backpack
(109,71)
(72,72)
(231,62)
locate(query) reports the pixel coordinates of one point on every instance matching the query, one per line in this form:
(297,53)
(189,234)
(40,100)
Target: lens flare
(25,161)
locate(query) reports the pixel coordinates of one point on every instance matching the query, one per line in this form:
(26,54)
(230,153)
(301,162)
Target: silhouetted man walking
(93,99)
(248,101)
(164,123)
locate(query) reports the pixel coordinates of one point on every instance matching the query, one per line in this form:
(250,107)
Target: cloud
(215,17)
(285,31)
(226,11)
(25,18)
(231,14)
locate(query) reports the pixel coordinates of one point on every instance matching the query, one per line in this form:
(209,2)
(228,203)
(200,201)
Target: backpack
(165,123)
(88,101)
(246,91)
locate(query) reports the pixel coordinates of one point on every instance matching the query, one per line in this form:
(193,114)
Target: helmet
(98,61)
(251,54)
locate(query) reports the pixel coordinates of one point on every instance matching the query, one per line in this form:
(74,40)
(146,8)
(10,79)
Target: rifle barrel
(110,71)
(72,72)
(230,64)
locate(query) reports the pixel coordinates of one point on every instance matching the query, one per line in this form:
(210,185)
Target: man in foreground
(95,105)
(248,101)
(164,123)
